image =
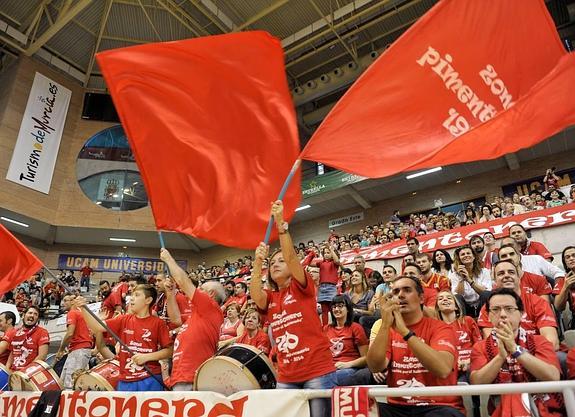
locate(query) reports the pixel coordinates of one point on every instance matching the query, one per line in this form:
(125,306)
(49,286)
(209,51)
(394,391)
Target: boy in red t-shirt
(417,351)
(146,335)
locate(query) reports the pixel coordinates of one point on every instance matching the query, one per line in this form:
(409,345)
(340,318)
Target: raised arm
(256,291)
(176,272)
(286,244)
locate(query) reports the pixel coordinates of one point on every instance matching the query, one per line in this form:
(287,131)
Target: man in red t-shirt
(417,351)
(86,273)
(538,317)
(530,283)
(172,306)
(7,322)
(432,281)
(146,336)
(240,295)
(78,340)
(511,355)
(253,334)
(30,342)
(528,247)
(199,335)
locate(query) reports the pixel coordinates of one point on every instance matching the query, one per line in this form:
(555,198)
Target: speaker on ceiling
(98,106)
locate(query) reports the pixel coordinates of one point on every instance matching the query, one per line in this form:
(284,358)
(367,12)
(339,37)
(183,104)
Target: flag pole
(114,335)
(162,244)
(281,195)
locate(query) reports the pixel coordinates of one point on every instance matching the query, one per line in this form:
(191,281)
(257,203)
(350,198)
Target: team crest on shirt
(288,299)
(409,383)
(336,346)
(146,335)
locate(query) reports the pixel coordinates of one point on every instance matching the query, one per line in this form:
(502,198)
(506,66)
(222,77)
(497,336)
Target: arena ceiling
(320,38)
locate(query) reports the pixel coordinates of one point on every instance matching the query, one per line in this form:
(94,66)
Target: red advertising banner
(262,403)
(555,216)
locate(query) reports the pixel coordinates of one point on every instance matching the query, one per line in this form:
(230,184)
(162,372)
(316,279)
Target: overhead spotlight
(311,84)
(122,239)
(298,91)
(458,182)
(16,222)
(420,173)
(338,72)
(414,193)
(352,65)
(305,207)
(374,54)
(324,78)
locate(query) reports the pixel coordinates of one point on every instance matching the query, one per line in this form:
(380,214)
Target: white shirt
(537,264)
(469,294)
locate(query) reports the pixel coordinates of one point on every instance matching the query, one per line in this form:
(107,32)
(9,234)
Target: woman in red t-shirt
(348,341)
(468,333)
(289,302)
(232,327)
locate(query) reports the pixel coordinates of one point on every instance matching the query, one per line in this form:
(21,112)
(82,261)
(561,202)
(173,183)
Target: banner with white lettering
(38,142)
(261,403)
(555,216)
(114,264)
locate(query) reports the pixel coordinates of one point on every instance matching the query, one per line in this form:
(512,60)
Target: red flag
(17,263)
(455,69)
(213,128)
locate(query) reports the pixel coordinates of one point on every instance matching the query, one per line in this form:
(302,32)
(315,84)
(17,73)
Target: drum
(4,376)
(102,377)
(38,376)
(236,368)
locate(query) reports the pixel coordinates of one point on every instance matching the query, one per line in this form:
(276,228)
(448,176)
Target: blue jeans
(151,383)
(319,407)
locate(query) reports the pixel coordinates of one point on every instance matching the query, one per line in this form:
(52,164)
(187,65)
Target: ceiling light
(420,173)
(121,239)
(98,202)
(414,193)
(6,219)
(458,182)
(115,195)
(303,207)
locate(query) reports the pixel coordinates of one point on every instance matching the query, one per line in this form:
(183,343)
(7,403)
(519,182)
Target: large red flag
(213,128)
(461,64)
(17,263)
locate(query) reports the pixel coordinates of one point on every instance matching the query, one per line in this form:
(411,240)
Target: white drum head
(225,376)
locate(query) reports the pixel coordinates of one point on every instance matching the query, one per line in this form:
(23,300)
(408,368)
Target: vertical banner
(36,149)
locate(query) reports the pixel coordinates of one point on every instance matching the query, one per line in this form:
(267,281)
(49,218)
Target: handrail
(565,387)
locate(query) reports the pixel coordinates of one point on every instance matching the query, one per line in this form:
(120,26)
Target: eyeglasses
(338,305)
(507,309)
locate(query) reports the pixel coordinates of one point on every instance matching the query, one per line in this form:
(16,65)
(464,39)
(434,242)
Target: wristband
(518,352)
(408,336)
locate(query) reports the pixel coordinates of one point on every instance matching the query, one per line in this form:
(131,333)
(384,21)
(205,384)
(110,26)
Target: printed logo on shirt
(128,331)
(336,346)
(287,342)
(409,383)
(289,300)
(146,335)
(463,336)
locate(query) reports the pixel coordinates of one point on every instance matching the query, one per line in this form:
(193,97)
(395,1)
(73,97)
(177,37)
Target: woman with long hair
(469,279)
(344,280)
(360,295)
(303,356)
(449,311)
(486,214)
(565,286)
(348,341)
(442,262)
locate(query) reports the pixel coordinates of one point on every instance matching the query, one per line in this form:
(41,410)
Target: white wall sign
(36,149)
(352,218)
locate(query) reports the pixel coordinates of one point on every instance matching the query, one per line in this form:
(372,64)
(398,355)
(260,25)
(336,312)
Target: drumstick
(114,335)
